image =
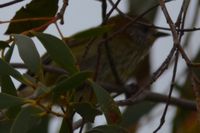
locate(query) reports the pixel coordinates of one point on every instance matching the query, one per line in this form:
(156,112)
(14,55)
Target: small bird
(126,49)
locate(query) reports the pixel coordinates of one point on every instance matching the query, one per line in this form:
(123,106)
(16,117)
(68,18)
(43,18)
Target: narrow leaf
(33,10)
(12,112)
(41,126)
(9,53)
(26,119)
(58,51)
(28,52)
(7,101)
(7,86)
(6,69)
(87,111)
(65,127)
(5,126)
(71,83)
(133,114)
(3,45)
(107,129)
(107,104)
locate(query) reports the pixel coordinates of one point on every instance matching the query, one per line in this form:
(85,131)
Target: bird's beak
(161,34)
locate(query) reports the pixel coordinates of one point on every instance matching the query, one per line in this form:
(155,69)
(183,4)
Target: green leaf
(7,70)
(28,52)
(107,129)
(5,126)
(42,90)
(58,51)
(34,9)
(132,114)
(7,85)
(9,53)
(93,32)
(12,112)
(87,111)
(7,101)
(3,45)
(41,126)
(26,119)
(107,104)
(71,83)
(65,127)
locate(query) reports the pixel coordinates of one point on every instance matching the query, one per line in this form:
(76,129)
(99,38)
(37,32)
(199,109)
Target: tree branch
(159,98)
(146,95)
(10,3)
(47,68)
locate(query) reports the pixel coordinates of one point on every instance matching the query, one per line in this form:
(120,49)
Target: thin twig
(155,75)
(174,32)
(160,98)
(44,26)
(47,68)
(26,19)
(10,3)
(62,11)
(108,49)
(177,39)
(150,96)
(162,119)
(59,31)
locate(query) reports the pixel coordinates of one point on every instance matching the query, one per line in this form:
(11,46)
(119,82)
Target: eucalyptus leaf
(65,127)
(133,114)
(6,69)
(9,53)
(12,112)
(41,126)
(7,86)
(26,119)
(107,104)
(58,51)
(71,83)
(3,45)
(28,52)
(7,101)
(107,129)
(5,126)
(87,111)
(34,9)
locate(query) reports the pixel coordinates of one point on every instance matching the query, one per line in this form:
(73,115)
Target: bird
(130,44)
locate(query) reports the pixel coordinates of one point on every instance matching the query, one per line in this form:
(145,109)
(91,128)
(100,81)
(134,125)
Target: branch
(148,96)
(47,68)
(10,3)
(153,97)
(159,98)
(62,11)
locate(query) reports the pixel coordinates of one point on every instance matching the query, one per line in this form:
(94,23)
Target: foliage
(56,85)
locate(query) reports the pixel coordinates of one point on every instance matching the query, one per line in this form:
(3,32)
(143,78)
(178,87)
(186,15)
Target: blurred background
(84,14)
